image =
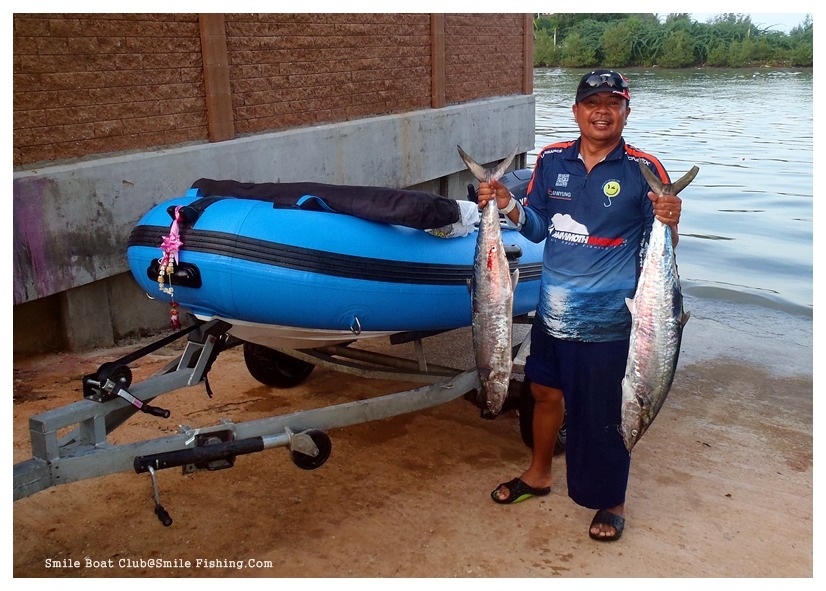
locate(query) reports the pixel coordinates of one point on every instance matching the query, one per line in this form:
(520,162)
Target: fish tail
(482,174)
(684,180)
(667,189)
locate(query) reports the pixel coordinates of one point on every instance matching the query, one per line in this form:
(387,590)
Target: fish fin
(684,180)
(514,279)
(502,168)
(667,189)
(684,318)
(652,180)
(630,303)
(470,284)
(474,167)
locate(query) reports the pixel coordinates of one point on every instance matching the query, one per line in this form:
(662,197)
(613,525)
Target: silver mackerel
(657,320)
(491,290)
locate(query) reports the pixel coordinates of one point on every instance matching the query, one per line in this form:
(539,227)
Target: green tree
(576,53)
(804,29)
(802,55)
(678,21)
(678,51)
(763,51)
(544,51)
(640,39)
(718,54)
(617,44)
(704,41)
(648,41)
(590,32)
(739,53)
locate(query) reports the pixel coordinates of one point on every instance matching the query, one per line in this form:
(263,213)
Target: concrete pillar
(87,318)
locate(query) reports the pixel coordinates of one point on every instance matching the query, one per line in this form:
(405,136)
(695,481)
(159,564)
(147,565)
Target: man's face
(601,117)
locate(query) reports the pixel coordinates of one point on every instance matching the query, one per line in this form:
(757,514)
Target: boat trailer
(70,443)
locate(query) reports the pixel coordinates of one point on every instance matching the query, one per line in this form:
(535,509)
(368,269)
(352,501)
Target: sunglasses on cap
(596,81)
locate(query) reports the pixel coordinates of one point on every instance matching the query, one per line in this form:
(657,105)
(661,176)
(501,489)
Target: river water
(746,245)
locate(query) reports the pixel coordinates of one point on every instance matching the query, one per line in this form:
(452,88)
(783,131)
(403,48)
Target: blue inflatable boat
(287,275)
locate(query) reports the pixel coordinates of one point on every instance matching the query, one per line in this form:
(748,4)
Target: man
(589,201)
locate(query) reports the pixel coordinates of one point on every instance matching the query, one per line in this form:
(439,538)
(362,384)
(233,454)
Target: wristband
(509,207)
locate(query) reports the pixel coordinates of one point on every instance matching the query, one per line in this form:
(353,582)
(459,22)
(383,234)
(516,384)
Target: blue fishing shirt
(594,226)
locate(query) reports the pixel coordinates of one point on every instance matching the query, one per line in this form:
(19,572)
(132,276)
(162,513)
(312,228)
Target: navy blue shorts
(590,377)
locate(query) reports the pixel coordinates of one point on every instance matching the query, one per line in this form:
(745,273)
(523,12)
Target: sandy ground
(721,485)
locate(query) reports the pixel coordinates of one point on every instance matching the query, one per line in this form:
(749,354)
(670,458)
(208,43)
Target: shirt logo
(566,229)
(562,179)
(611,189)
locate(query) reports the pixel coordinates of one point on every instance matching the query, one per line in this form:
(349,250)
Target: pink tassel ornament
(170,246)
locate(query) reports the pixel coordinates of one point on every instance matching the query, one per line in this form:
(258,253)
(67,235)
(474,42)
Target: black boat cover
(404,207)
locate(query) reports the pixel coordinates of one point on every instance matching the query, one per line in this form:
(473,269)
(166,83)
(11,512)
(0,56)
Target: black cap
(602,81)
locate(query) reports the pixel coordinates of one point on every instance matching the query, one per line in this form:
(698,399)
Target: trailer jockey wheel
(273,368)
(309,462)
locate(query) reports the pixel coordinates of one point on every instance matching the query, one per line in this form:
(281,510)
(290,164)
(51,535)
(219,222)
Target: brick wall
(298,69)
(99,83)
(92,84)
(483,55)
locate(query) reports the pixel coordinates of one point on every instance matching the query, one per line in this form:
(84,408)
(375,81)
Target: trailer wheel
(274,368)
(526,404)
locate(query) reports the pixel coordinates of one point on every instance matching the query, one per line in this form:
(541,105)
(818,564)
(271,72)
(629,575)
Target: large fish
(491,290)
(657,320)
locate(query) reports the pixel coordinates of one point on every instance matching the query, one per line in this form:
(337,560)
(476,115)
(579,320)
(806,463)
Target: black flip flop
(604,517)
(518,491)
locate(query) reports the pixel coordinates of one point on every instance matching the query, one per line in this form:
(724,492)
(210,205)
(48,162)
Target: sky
(783,22)
(797,9)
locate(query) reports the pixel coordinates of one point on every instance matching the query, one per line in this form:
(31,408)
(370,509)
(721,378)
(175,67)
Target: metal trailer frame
(70,443)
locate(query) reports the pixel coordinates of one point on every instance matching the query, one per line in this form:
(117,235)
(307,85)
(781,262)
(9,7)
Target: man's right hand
(487,191)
